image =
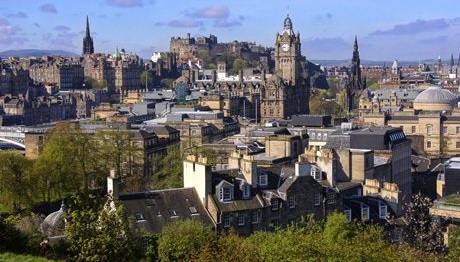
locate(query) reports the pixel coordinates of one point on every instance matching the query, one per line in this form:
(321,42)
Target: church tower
(88,47)
(287,53)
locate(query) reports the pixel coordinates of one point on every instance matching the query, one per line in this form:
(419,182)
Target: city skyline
(389,30)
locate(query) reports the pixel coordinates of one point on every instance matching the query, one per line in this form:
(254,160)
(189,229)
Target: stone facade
(249,198)
(66,73)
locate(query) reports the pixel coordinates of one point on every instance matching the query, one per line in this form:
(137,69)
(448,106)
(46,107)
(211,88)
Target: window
(193,210)
(226,219)
(457,144)
(255,216)
(413,129)
(172,212)
(275,223)
(240,219)
(428,144)
(246,191)
(319,136)
(382,211)
(139,217)
(365,213)
(291,201)
(331,198)
(444,129)
(325,136)
(317,200)
(348,214)
(274,204)
(429,129)
(313,136)
(263,180)
(315,173)
(225,194)
(457,129)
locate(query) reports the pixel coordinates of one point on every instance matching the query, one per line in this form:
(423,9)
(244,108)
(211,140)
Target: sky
(386,30)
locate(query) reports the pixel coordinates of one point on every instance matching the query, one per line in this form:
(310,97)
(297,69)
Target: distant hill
(346,62)
(34,52)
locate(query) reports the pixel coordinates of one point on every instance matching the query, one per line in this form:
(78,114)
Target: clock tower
(287,53)
(286,92)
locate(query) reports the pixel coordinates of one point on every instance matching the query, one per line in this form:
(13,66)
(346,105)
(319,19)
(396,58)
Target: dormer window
(262,180)
(274,204)
(292,202)
(315,173)
(348,214)
(382,211)
(246,191)
(225,194)
(364,213)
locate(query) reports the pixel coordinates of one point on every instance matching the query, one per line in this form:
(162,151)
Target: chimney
(113,184)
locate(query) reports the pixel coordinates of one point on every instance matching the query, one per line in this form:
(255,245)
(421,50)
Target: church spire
(88,47)
(355,46)
(87,27)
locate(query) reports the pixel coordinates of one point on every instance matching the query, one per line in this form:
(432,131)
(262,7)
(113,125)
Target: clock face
(285,47)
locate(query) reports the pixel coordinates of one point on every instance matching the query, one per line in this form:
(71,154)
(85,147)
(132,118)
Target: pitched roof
(155,209)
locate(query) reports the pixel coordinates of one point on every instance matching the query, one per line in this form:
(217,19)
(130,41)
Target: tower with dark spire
(451,70)
(88,47)
(355,82)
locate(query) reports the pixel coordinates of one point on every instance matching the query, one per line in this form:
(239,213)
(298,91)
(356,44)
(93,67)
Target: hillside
(34,52)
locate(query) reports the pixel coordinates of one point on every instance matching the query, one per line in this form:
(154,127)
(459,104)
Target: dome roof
(436,95)
(54,223)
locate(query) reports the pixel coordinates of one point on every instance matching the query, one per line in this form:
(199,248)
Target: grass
(12,257)
(453,200)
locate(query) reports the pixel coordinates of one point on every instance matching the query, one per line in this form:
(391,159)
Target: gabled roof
(155,209)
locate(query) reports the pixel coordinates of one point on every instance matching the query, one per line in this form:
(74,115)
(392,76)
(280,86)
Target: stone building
(260,96)
(434,117)
(375,158)
(14,79)
(286,93)
(249,198)
(39,110)
(187,48)
(64,72)
(120,72)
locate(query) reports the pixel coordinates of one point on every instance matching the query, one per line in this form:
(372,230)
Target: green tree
(120,150)
(238,65)
(182,239)
(168,172)
(70,162)
(16,189)
(146,78)
(98,230)
(421,231)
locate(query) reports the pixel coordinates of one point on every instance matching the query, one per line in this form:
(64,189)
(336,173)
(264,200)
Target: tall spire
(355,46)
(458,61)
(452,60)
(87,28)
(88,47)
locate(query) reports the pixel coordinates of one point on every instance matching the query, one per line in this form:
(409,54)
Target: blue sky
(386,30)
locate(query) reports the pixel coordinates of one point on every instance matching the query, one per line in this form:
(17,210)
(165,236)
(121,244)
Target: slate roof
(354,204)
(153,210)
